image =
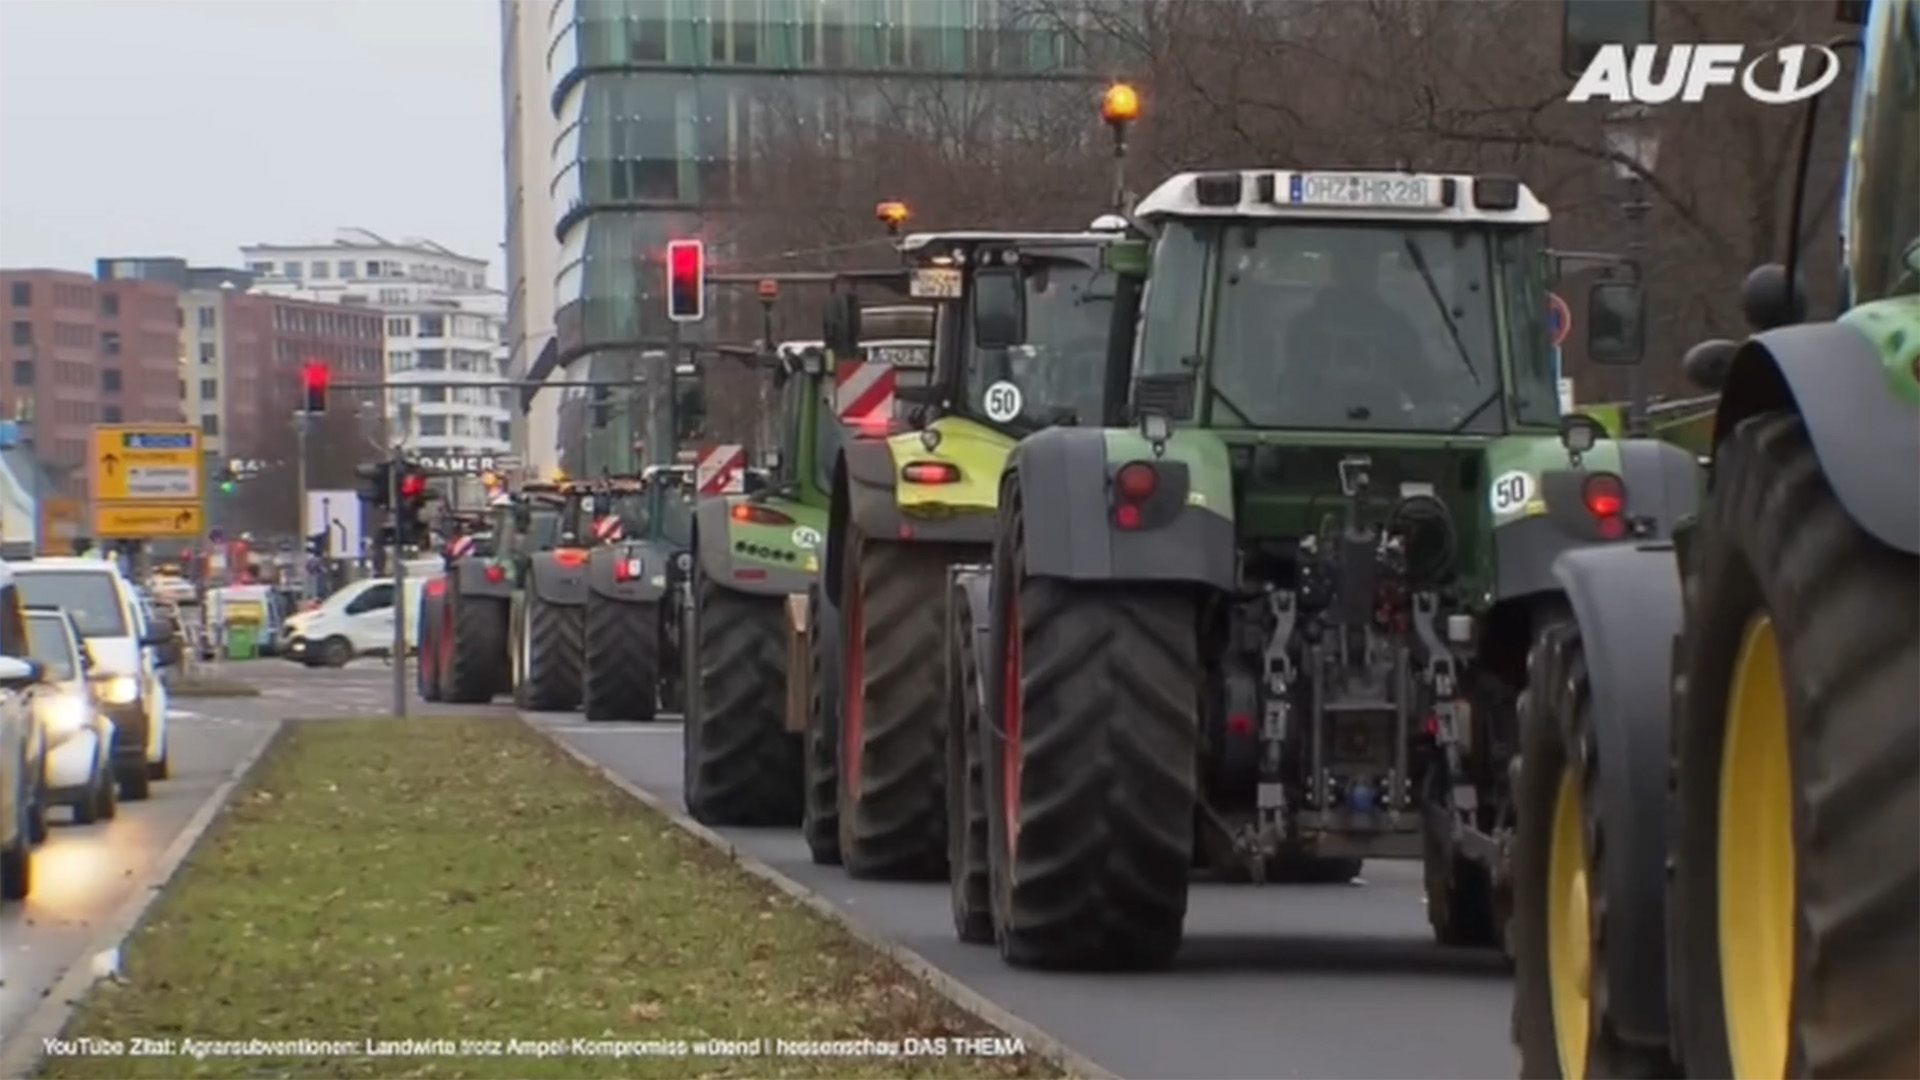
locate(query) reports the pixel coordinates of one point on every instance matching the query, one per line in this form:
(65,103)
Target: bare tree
(347,435)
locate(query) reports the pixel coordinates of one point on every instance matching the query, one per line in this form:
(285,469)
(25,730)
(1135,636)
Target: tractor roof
(1348,195)
(597,485)
(919,243)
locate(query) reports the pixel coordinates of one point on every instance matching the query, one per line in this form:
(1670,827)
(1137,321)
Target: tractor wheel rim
(1755,863)
(853,728)
(1011,721)
(1569,930)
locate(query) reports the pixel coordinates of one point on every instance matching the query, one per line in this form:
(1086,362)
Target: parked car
(17,782)
(77,772)
(127,658)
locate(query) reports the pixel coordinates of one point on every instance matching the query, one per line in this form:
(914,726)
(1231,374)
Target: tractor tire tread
(820,816)
(621,659)
(556,649)
(479,651)
(744,766)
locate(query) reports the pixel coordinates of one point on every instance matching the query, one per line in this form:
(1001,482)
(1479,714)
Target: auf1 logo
(1638,75)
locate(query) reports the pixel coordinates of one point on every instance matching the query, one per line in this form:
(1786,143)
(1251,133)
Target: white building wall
(532,251)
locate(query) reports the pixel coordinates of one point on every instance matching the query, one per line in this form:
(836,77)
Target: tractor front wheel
(622,659)
(742,767)
(475,649)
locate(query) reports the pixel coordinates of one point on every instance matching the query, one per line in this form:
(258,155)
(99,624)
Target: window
(399,328)
(433,359)
(433,425)
(209,389)
(92,597)
(374,598)
(344,269)
(22,294)
(373,268)
(294,270)
(207,317)
(110,414)
(23,373)
(433,326)
(110,381)
(110,305)
(210,424)
(22,332)
(318,271)
(209,353)
(263,268)
(110,343)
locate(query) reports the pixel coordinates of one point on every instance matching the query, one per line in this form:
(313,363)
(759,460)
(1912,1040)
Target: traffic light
(317,544)
(410,514)
(374,482)
(686,280)
(314,379)
(227,481)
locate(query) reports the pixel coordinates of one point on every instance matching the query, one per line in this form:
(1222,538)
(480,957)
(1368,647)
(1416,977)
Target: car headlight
(120,690)
(63,716)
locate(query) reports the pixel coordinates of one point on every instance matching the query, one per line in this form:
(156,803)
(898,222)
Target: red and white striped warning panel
(722,470)
(607,528)
(459,546)
(863,390)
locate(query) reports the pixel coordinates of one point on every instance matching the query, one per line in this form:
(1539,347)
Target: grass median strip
(461,880)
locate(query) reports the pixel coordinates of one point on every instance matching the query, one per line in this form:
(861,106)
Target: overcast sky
(191,127)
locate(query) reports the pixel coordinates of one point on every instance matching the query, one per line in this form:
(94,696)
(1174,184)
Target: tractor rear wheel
(820,817)
(742,765)
(622,659)
(427,655)
(552,646)
(476,650)
(969,879)
(1095,693)
(893,811)
(1796,778)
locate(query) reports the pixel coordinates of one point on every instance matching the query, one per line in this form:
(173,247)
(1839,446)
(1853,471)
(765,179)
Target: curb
(961,995)
(20,1051)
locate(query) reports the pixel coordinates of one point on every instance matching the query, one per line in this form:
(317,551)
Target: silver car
(19,771)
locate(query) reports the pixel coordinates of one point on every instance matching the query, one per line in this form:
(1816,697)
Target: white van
(127,657)
(355,621)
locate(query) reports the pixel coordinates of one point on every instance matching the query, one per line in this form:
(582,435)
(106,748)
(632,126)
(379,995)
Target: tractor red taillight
(1606,499)
(930,472)
(496,575)
(626,570)
(1133,485)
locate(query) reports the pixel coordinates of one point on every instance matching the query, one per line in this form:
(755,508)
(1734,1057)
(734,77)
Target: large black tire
(1107,736)
(969,879)
(893,810)
(742,767)
(551,656)
(1558,699)
(473,674)
(622,656)
(427,661)
(1776,549)
(820,815)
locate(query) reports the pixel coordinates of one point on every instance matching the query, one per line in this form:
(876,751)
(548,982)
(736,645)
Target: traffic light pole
(395,474)
(300,423)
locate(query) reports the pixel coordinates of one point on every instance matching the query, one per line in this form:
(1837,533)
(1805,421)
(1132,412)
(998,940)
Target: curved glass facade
(661,104)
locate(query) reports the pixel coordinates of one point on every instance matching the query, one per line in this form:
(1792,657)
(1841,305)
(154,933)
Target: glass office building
(662,104)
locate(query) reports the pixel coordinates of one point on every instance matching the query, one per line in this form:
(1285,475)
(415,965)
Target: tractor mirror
(1768,301)
(1616,330)
(1708,363)
(996,308)
(841,331)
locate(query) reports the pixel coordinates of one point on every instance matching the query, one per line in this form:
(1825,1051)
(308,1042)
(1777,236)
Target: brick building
(242,355)
(78,352)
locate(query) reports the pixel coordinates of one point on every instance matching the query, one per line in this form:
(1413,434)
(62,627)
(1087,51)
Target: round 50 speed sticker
(1510,492)
(1002,401)
(805,539)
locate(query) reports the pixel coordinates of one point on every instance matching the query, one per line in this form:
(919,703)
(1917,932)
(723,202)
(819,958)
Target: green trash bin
(243,641)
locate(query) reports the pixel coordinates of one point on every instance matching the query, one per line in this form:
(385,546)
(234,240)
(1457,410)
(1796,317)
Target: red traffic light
(315,377)
(686,280)
(413,485)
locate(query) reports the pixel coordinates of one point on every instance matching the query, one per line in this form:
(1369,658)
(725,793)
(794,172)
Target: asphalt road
(83,876)
(1274,982)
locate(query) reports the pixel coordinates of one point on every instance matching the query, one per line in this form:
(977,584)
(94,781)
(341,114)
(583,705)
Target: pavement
(1274,981)
(85,876)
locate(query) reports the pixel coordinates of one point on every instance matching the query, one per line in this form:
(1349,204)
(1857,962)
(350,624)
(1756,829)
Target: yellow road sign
(147,520)
(160,462)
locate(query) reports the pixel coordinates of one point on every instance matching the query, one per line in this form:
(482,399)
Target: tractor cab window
(827,432)
(1355,326)
(1880,218)
(1058,372)
(1520,257)
(676,517)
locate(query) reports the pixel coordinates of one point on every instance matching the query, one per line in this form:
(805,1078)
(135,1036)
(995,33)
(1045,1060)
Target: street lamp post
(1635,143)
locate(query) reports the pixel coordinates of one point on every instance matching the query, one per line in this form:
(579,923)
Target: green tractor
(1716,871)
(632,646)
(480,600)
(1023,343)
(1281,619)
(750,552)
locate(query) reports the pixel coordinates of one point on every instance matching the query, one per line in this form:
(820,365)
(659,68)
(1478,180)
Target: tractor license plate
(935,283)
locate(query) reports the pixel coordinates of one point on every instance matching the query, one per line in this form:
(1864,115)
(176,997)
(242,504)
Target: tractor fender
(1866,438)
(1627,602)
(1663,487)
(656,563)
(713,548)
(1065,476)
(871,483)
(555,582)
(470,579)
